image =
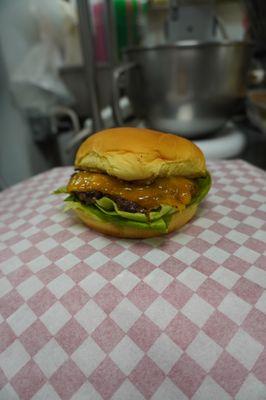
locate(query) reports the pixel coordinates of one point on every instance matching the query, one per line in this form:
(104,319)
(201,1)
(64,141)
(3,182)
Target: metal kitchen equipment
(256,108)
(189,87)
(189,21)
(85,26)
(74,78)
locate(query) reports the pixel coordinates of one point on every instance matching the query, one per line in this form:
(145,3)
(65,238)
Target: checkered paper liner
(85,316)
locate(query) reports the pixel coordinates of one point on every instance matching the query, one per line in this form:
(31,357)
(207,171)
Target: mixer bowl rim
(190,44)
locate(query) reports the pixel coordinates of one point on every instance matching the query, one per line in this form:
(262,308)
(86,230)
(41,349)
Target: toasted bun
(177,221)
(134,154)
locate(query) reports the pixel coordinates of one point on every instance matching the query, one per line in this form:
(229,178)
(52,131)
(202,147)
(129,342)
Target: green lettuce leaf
(71,197)
(204,185)
(158,225)
(61,190)
(109,207)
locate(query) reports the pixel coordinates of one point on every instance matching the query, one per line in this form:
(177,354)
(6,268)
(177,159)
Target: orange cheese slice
(173,191)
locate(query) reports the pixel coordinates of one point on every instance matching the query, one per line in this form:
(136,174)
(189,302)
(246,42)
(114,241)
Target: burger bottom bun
(107,228)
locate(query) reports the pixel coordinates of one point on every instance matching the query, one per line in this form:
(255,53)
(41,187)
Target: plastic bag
(35,82)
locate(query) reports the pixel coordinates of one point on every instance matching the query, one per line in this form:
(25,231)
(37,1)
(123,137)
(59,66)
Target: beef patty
(89,198)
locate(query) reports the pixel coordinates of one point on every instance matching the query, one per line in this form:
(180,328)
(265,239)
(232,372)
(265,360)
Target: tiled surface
(89,317)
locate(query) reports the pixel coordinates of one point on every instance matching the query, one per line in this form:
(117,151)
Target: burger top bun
(135,154)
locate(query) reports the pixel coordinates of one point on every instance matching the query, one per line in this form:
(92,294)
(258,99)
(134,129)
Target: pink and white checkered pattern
(90,317)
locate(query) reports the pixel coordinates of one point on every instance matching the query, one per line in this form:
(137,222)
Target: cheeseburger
(136,183)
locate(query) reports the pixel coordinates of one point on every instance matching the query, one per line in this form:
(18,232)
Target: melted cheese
(173,191)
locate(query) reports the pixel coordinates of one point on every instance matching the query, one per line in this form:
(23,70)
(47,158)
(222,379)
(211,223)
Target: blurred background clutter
(70,68)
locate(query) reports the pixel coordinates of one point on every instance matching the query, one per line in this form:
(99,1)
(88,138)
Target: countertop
(84,316)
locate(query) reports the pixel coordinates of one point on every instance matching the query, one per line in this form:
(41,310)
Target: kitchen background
(177,79)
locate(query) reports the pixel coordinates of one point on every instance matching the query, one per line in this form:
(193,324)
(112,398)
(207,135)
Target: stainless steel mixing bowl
(190,88)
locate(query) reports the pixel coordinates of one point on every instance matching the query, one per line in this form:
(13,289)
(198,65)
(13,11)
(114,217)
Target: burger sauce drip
(173,191)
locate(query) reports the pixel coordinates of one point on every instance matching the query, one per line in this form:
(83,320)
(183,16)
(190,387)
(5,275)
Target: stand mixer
(190,21)
(193,82)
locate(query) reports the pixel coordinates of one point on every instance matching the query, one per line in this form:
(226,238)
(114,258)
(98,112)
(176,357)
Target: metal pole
(112,43)
(86,39)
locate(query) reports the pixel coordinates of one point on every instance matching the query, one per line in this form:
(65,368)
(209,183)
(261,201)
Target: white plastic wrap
(35,82)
